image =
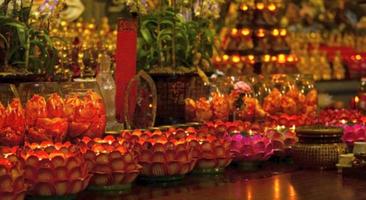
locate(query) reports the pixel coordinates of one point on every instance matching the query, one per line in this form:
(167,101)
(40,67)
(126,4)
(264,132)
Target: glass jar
(84,108)
(214,105)
(44,112)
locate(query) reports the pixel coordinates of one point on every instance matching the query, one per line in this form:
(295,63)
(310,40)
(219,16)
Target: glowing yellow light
(272,7)
(235,59)
(251,57)
(244,7)
(283,32)
(245,31)
(261,33)
(225,57)
(218,59)
(281,59)
(234,32)
(260,6)
(274,58)
(358,57)
(63,23)
(290,58)
(267,58)
(91,26)
(275,32)
(357,99)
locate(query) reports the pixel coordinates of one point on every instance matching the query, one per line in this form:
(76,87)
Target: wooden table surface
(268,184)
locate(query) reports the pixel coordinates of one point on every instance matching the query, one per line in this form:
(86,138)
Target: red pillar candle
(125,60)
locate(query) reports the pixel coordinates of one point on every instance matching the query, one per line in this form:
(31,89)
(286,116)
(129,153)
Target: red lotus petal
(130,177)
(146,169)
(157,169)
(173,168)
(220,151)
(100,179)
(206,146)
(118,178)
(278,144)
(3,171)
(158,157)
(61,173)
(76,187)
(206,164)
(158,147)
(131,167)
(170,155)
(115,155)
(18,183)
(102,159)
(145,156)
(32,161)
(223,162)
(103,169)
(45,163)
(45,175)
(61,188)
(58,161)
(117,165)
(128,158)
(44,189)
(185,168)
(181,147)
(6,184)
(72,163)
(75,174)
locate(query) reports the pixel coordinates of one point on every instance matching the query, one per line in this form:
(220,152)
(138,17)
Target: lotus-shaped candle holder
(251,147)
(12,182)
(162,158)
(54,169)
(251,150)
(114,167)
(353,133)
(339,117)
(282,139)
(86,115)
(12,124)
(45,119)
(212,153)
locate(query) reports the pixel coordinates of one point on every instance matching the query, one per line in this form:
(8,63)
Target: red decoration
(125,60)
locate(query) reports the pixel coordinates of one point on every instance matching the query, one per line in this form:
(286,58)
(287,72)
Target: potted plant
(25,46)
(175,45)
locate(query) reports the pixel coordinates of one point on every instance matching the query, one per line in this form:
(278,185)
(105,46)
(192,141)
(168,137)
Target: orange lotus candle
(111,161)
(212,154)
(54,169)
(11,177)
(163,157)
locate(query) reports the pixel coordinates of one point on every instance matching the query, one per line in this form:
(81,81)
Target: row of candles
(267,58)
(260,32)
(62,169)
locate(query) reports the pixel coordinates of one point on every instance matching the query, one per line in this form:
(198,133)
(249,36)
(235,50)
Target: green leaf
(146,35)
(5,40)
